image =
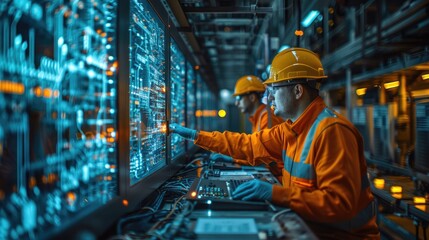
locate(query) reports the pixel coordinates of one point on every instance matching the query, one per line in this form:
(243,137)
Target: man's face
(283,99)
(243,103)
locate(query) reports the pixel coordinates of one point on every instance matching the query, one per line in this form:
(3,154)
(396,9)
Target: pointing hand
(187,133)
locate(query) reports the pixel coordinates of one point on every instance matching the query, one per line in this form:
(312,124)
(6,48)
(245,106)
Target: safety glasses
(239,97)
(273,89)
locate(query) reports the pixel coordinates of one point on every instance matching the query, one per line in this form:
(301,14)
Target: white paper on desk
(221,227)
(234,173)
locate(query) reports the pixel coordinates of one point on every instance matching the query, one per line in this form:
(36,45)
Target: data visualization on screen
(57,113)
(147,92)
(178,97)
(191,103)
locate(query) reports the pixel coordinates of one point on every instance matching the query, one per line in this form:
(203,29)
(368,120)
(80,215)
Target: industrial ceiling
(227,35)
(232,38)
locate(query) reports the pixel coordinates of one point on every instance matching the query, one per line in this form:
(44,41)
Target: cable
(273,218)
(178,221)
(158,201)
(195,160)
(155,206)
(156,225)
(130,219)
(148,208)
(189,170)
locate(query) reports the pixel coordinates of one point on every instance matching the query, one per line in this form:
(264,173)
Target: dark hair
(311,88)
(260,95)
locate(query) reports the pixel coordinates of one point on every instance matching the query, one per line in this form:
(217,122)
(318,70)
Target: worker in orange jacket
(248,93)
(324,177)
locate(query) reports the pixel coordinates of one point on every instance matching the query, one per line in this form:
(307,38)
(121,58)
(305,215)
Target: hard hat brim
(291,80)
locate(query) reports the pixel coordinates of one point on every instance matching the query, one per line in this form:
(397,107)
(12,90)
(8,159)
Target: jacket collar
(254,118)
(308,116)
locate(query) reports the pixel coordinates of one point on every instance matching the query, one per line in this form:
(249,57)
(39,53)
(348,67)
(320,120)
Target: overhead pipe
(229,10)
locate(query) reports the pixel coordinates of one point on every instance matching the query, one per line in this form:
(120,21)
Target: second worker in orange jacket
(248,94)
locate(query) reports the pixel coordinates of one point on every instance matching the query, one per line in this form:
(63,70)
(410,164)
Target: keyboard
(234,183)
(217,195)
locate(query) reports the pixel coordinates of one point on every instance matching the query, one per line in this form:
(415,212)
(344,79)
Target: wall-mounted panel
(58,155)
(178,97)
(422,136)
(384,131)
(147,92)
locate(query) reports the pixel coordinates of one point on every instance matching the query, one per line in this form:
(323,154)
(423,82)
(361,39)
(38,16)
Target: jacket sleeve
(338,179)
(258,148)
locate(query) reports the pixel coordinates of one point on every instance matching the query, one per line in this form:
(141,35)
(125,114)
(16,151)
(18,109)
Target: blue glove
(187,133)
(254,190)
(217,157)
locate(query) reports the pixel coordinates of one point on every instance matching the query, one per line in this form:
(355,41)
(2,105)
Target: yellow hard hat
(248,84)
(295,63)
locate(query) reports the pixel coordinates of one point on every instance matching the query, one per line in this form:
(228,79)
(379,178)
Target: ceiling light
(299,33)
(221,113)
(391,85)
(308,20)
(425,76)
(379,183)
(360,91)
(212,52)
(396,189)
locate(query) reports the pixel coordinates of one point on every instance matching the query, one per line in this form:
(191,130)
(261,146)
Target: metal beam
(230,10)
(224,34)
(231,47)
(232,21)
(240,57)
(235,22)
(408,63)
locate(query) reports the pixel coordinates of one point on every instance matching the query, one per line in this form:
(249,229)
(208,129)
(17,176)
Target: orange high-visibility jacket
(259,122)
(324,176)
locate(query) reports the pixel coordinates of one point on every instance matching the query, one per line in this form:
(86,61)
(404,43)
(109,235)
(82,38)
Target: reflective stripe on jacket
(305,175)
(324,176)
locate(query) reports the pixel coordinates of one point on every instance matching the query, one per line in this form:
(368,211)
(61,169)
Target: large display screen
(178,97)
(191,103)
(147,92)
(58,155)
